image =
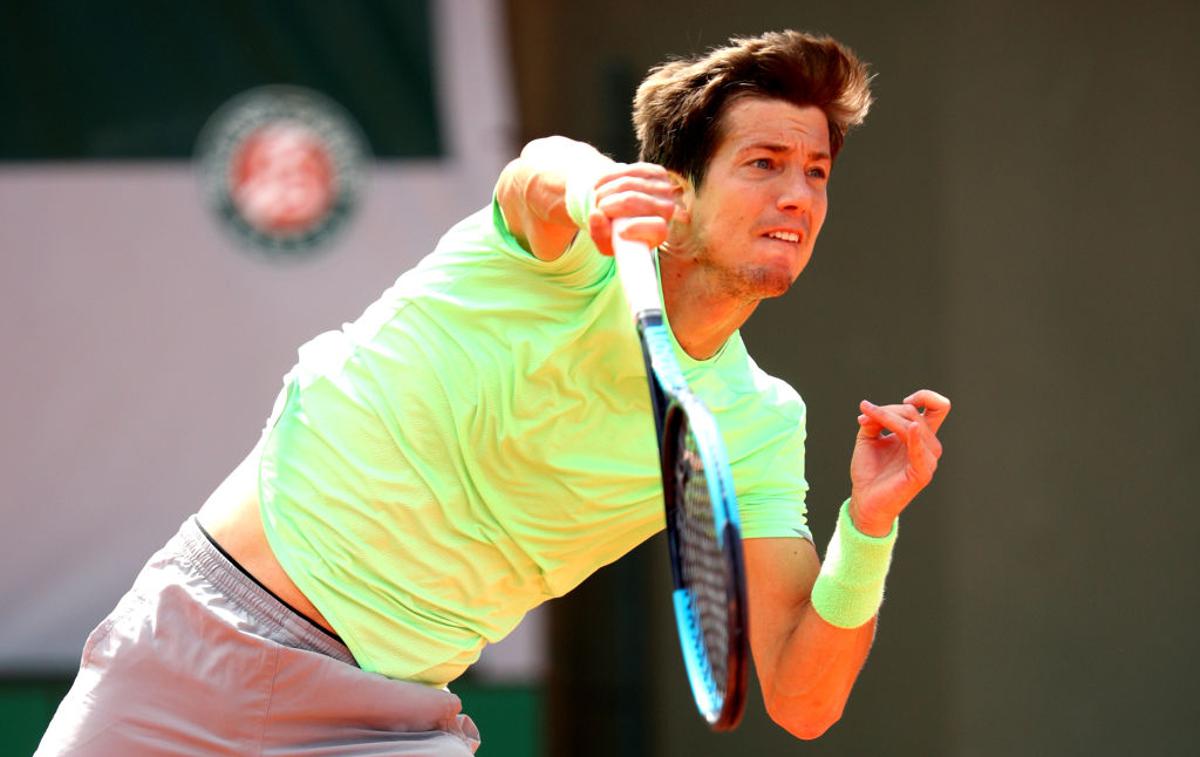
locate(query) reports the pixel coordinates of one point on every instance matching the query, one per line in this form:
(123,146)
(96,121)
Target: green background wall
(510,716)
(137,79)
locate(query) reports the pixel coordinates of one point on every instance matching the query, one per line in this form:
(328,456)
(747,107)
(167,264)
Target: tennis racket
(702,521)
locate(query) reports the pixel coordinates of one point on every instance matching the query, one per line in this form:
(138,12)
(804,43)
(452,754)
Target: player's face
(756,216)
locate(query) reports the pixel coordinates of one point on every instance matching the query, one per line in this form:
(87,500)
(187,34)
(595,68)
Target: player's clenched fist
(644,192)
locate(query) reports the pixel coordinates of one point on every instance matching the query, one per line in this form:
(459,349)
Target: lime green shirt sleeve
(775,506)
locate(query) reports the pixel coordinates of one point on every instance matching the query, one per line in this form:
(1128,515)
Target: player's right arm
(533,190)
(808,659)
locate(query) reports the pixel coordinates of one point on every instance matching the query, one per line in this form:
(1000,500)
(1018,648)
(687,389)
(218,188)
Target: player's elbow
(810,727)
(803,717)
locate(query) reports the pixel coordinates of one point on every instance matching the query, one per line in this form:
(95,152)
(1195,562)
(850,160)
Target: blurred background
(1014,226)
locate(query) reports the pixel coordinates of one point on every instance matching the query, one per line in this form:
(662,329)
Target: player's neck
(702,316)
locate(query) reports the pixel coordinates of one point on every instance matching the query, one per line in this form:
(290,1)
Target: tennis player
(480,440)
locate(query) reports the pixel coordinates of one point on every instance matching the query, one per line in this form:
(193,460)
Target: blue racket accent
(708,436)
(662,358)
(695,659)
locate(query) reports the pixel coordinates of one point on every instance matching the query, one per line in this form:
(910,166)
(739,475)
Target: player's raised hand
(895,456)
(641,191)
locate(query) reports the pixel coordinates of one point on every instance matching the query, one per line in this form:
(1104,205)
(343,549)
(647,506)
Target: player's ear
(684,197)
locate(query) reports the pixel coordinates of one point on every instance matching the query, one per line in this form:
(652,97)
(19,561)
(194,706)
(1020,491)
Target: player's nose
(797,194)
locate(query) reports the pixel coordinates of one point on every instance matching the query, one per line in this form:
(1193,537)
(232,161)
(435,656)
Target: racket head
(704,537)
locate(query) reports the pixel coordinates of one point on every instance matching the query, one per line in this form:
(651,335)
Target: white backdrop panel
(142,349)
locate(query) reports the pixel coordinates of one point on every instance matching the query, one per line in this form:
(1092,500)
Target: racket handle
(635,267)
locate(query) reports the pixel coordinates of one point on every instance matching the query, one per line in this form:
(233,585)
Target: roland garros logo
(282,168)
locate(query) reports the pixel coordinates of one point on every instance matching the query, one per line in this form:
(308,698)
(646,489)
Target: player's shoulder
(775,393)
(479,245)
(755,389)
(485,237)
(481,228)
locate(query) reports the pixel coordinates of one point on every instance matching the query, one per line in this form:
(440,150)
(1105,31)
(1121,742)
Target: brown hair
(678,107)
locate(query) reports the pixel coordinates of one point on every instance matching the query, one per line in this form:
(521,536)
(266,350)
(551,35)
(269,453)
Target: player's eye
(817,172)
(764,164)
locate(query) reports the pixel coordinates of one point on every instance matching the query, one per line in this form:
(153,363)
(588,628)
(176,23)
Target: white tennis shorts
(199,659)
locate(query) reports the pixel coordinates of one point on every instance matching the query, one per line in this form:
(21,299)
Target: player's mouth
(783,235)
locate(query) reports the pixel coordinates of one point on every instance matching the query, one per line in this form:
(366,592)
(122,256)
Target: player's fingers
(628,198)
(922,431)
(600,229)
(924,425)
(923,434)
(922,462)
(933,444)
(902,414)
(650,230)
(641,170)
(889,418)
(868,428)
(653,186)
(936,406)
(928,398)
(908,412)
(634,204)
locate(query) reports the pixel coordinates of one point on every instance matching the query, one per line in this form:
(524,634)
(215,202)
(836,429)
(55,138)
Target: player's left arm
(807,664)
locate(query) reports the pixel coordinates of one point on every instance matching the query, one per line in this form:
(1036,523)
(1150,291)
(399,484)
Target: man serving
(479,441)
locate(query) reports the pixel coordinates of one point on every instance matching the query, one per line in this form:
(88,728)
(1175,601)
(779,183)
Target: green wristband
(849,590)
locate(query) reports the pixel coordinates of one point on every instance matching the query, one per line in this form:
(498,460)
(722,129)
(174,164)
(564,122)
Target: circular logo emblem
(282,168)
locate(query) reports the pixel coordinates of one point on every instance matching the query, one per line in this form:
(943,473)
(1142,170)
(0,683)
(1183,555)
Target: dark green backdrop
(137,79)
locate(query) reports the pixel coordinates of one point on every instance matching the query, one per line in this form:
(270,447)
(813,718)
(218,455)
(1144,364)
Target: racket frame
(674,404)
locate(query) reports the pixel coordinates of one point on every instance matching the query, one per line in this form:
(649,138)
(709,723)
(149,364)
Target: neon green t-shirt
(480,441)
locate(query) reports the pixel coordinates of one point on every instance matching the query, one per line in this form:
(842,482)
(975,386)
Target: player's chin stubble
(750,282)
(763,283)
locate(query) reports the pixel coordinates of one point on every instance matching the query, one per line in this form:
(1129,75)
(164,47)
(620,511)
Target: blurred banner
(144,335)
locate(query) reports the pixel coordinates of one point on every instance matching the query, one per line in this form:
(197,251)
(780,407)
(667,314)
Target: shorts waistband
(237,586)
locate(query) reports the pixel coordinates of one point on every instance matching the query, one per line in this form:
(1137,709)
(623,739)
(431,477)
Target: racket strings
(702,560)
